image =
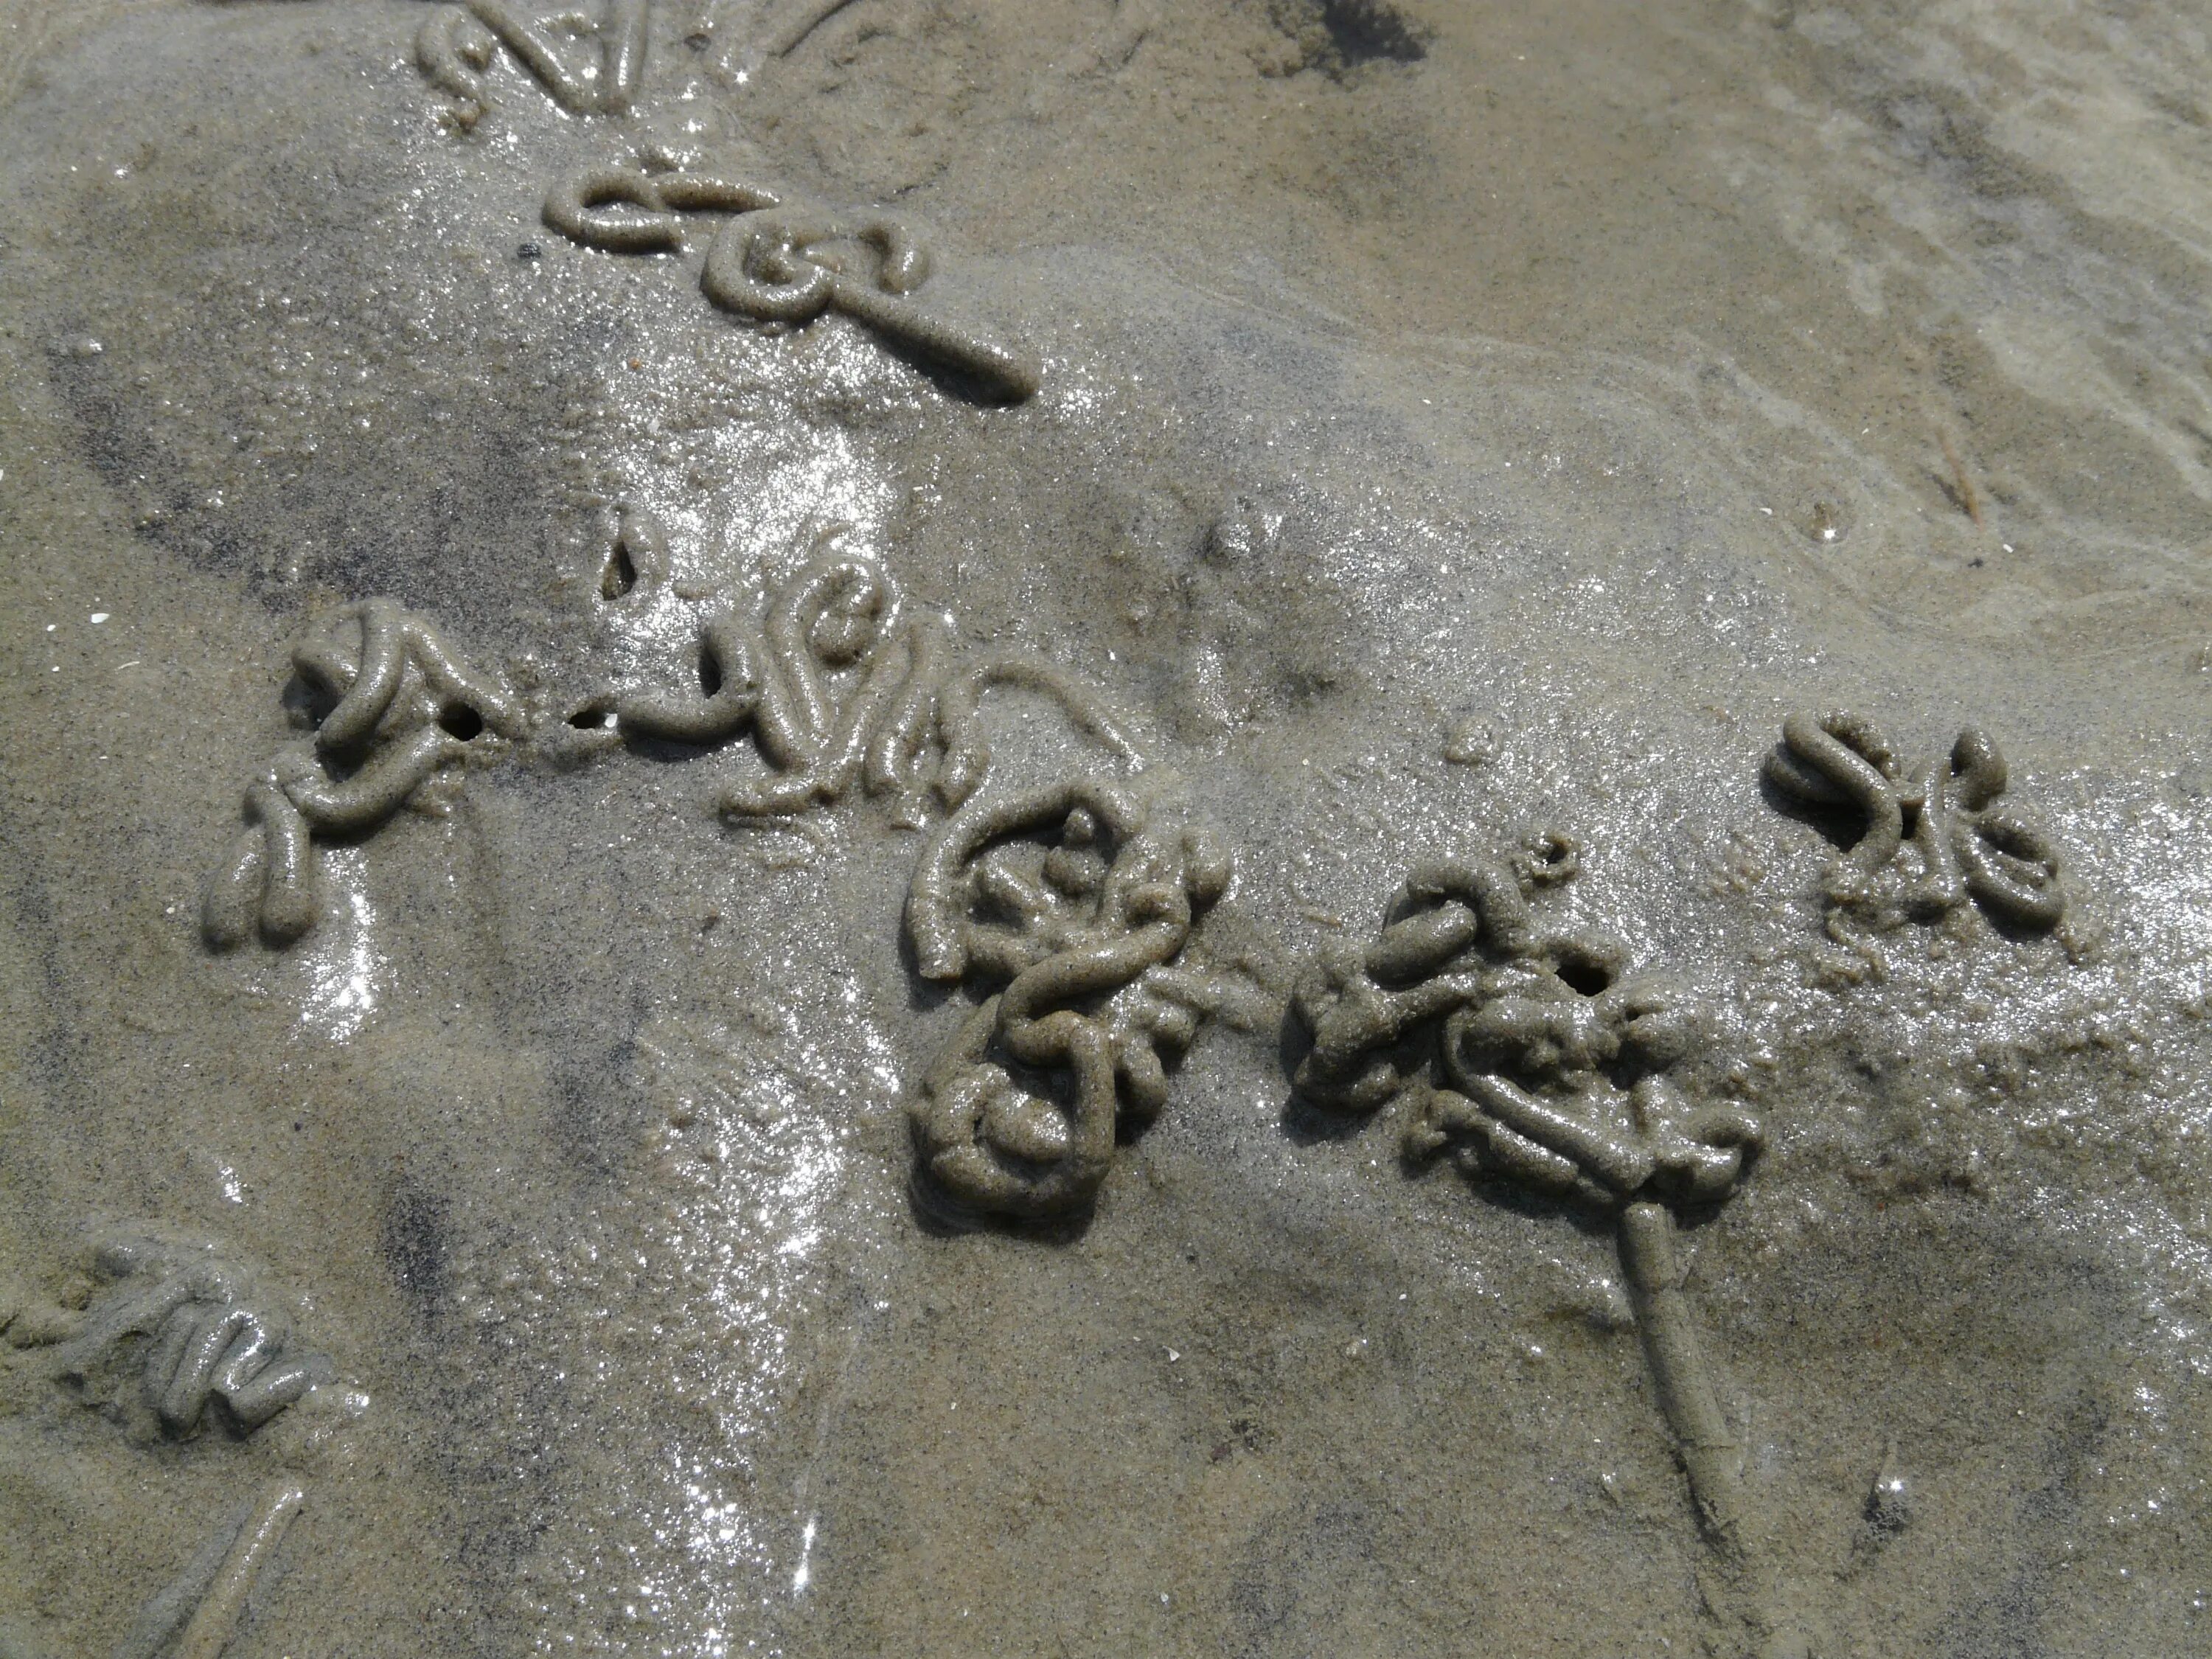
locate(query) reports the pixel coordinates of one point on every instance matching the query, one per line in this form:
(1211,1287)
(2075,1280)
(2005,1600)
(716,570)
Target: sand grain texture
(1453,420)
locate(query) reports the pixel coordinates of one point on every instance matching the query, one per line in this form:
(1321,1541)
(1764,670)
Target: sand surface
(1456,423)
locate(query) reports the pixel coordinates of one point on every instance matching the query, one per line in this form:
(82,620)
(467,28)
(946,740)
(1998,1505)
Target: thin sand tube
(456,45)
(775,264)
(196,1336)
(198,1613)
(1535,1057)
(641,208)
(1712,1451)
(726,663)
(400,708)
(840,616)
(840,683)
(216,1620)
(940,704)
(766,266)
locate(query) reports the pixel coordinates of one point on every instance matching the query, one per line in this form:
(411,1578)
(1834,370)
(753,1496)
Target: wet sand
(1452,424)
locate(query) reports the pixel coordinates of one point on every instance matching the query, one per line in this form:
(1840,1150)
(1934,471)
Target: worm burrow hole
(1588,977)
(620,574)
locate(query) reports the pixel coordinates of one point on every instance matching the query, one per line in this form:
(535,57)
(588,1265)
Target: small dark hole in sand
(460,720)
(1363,31)
(620,575)
(592,718)
(1588,977)
(710,670)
